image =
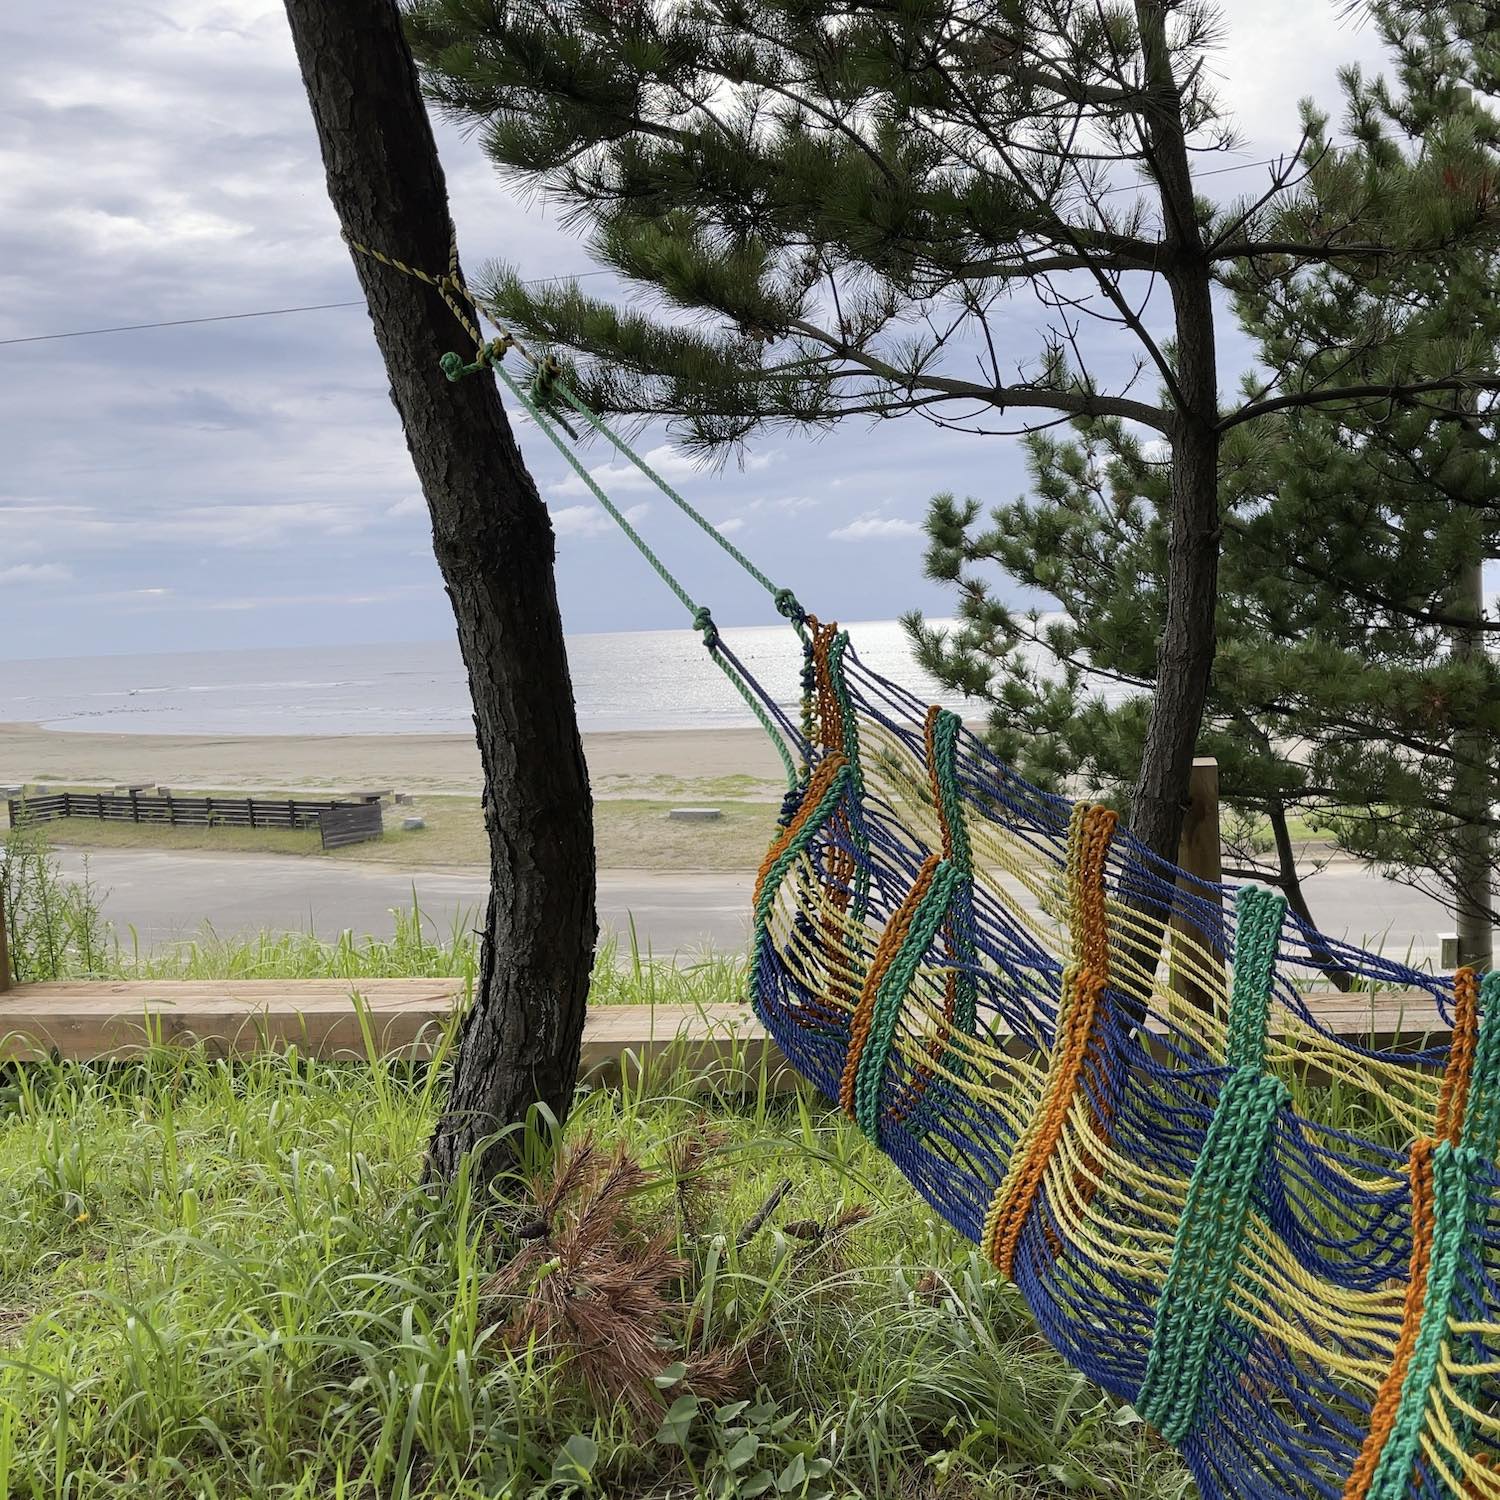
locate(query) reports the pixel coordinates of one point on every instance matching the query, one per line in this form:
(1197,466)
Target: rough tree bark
(1185,654)
(520,1039)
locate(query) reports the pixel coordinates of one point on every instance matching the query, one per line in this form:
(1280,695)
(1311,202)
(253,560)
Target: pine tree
(522,1030)
(832,203)
(1348,675)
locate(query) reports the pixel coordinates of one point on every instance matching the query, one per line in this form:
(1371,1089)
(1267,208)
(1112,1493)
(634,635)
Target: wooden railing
(93,1020)
(178,811)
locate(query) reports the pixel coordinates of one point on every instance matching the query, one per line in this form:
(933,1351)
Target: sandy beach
(719,762)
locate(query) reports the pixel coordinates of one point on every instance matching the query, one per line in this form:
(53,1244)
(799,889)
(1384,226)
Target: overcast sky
(245,483)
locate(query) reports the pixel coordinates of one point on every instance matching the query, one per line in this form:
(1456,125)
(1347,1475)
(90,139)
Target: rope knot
(703,621)
(788,607)
(452,365)
(789,805)
(544,387)
(495,350)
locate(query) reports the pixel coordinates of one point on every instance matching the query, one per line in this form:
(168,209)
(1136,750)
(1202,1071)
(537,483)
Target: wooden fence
(1198,854)
(353,823)
(178,811)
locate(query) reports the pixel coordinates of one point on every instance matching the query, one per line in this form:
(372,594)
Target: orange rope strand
(1388,1399)
(1454,1097)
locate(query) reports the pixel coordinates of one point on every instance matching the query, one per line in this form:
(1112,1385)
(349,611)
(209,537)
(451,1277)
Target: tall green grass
(58,931)
(228,1280)
(54,926)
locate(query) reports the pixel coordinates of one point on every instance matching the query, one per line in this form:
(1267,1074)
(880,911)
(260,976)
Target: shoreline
(622,763)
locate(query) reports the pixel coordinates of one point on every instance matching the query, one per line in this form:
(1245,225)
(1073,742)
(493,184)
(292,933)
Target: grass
(630,834)
(415,951)
(228,1281)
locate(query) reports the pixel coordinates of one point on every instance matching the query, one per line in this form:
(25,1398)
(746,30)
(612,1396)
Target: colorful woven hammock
(974,969)
(962,962)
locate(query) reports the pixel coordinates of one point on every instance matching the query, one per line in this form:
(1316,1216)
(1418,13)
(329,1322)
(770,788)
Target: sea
(637,680)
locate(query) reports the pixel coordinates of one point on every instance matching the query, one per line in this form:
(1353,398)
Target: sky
(242,484)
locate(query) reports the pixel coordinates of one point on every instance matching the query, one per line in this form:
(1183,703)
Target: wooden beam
(94,1020)
(1198,854)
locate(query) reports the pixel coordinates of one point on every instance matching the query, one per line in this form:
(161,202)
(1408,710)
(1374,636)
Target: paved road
(165,896)
(673,913)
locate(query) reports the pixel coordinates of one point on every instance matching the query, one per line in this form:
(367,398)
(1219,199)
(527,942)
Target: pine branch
(1074,403)
(1395,392)
(1343,583)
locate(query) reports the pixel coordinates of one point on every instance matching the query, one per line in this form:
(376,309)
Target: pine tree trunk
(1185,653)
(1473,878)
(493,540)
(1296,898)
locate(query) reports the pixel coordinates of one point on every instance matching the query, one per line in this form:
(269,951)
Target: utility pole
(1473,792)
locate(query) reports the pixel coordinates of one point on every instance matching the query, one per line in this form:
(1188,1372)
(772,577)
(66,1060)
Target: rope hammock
(973,968)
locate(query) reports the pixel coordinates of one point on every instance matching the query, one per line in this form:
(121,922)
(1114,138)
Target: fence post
(1198,854)
(4,952)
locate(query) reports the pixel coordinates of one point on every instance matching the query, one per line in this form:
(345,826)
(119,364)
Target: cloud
(73,528)
(673,465)
(159,162)
(35,573)
(286,601)
(875,529)
(165,601)
(590,520)
(791,504)
(732,525)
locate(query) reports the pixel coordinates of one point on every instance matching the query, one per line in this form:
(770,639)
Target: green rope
(786,600)
(1191,1313)
(1481,1130)
(455,369)
(1192,1321)
(945,735)
(546,386)
(890,995)
(945,769)
(1459,1212)
(1257,931)
(825,809)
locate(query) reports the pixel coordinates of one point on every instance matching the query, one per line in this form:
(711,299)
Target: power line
(281,312)
(267,312)
(1242,166)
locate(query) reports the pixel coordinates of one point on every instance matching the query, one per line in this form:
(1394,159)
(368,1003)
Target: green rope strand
(455,369)
(1257,932)
(1458,1211)
(1192,1321)
(1481,1129)
(825,809)
(891,995)
(945,746)
(547,385)
(1205,1252)
(786,600)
